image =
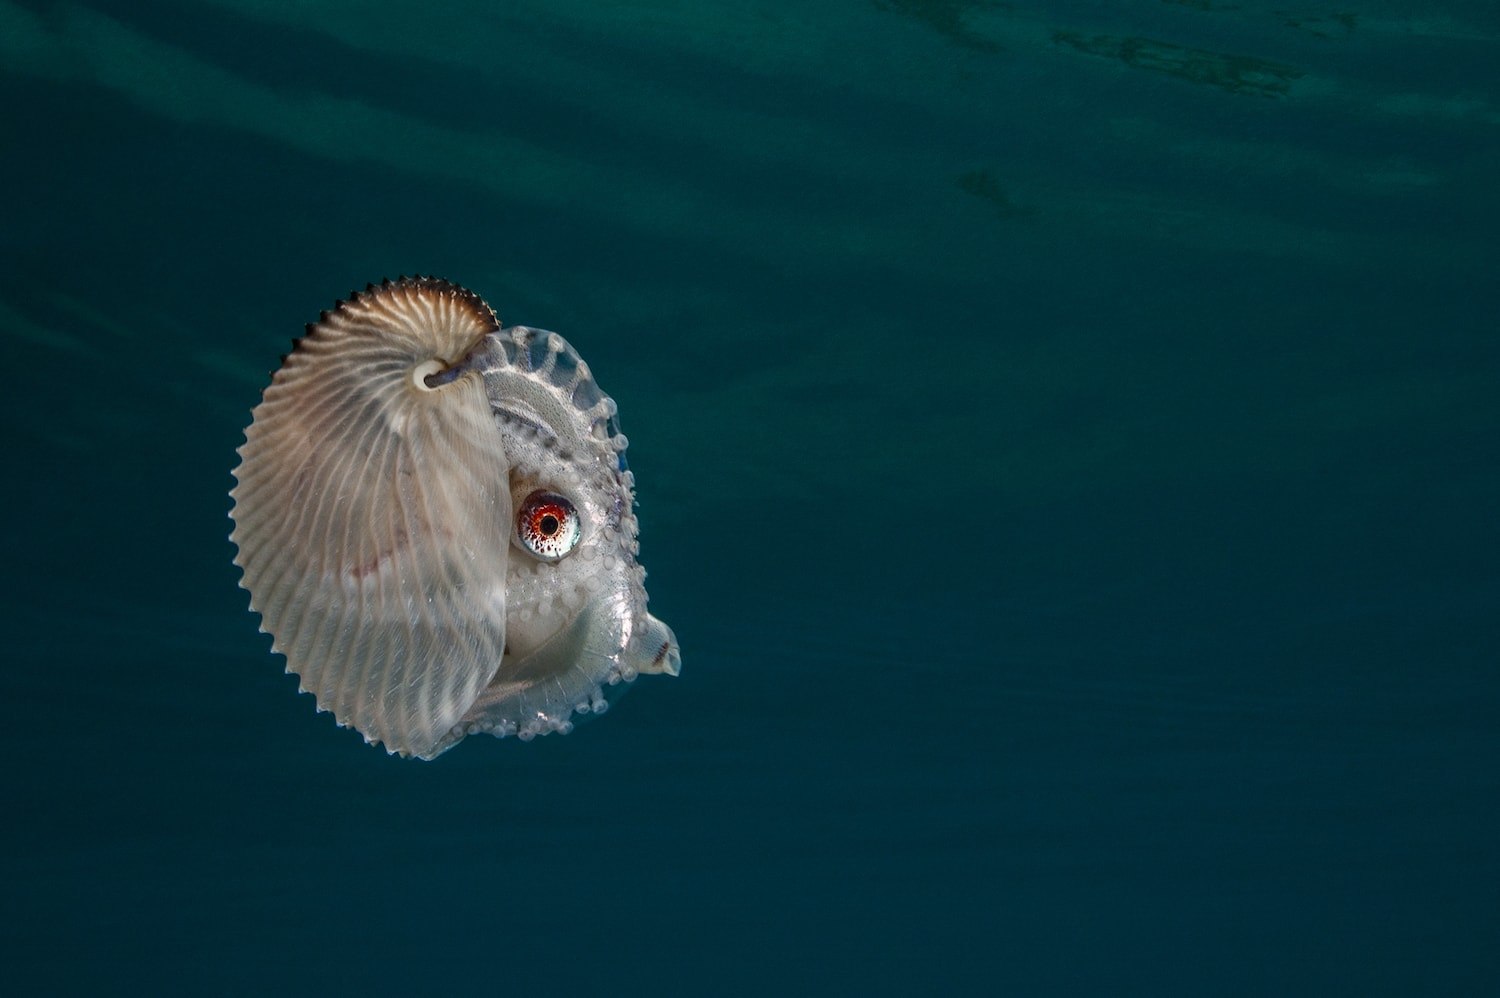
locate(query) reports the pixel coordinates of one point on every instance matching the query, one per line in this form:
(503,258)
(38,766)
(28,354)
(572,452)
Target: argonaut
(435,522)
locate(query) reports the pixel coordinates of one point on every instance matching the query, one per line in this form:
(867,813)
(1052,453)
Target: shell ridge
(365,547)
(304,514)
(317,521)
(337,695)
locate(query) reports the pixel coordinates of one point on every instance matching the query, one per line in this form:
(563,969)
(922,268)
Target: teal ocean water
(1066,438)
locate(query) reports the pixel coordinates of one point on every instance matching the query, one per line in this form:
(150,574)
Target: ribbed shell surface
(373,513)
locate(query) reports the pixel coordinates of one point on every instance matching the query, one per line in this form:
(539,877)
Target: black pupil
(549,524)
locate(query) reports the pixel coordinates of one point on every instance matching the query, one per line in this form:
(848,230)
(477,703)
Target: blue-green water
(1067,447)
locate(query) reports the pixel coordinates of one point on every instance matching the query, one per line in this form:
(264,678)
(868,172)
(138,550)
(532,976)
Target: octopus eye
(547,525)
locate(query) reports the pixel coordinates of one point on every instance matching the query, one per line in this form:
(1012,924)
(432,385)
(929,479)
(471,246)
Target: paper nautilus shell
(434,519)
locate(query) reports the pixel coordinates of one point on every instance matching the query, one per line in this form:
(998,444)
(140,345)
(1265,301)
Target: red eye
(547,525)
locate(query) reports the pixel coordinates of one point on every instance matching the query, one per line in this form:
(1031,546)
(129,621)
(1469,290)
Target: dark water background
(1066,438)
